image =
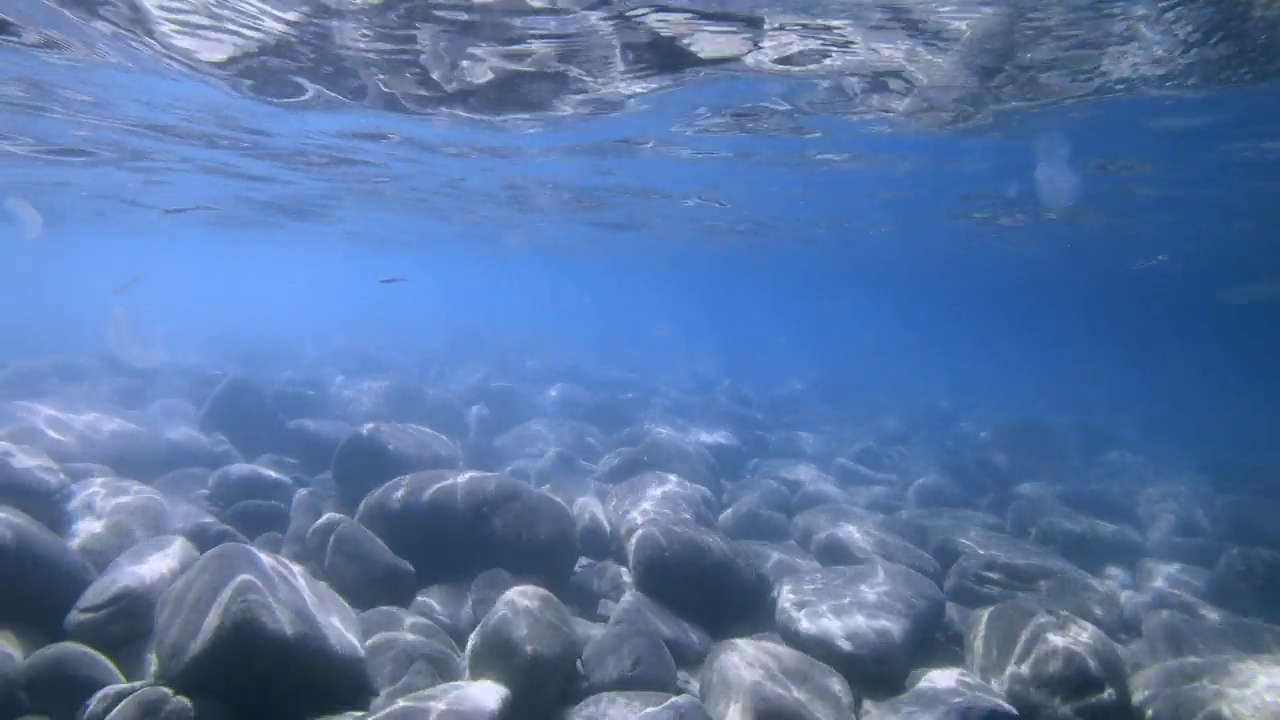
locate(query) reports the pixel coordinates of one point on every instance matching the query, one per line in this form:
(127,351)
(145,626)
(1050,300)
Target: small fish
(186,209)
(1148,263)
(127,285)
(703,200)
(393,280)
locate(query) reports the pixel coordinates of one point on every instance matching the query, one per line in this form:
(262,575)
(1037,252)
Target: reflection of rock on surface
(131,343)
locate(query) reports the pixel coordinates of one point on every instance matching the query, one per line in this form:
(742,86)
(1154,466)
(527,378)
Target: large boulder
(450,525)
(260,635)
(376,453)
(41,577)
(243,413)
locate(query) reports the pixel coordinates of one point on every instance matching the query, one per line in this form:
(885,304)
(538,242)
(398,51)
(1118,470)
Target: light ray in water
(131,343)
(29,221)
(1057,183)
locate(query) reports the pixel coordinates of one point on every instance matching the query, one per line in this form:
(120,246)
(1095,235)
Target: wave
(945,65)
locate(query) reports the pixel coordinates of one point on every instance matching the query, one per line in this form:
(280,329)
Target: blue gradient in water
(863,280)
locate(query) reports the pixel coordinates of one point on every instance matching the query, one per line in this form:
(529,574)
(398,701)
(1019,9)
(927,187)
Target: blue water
(765,356)
(890,265)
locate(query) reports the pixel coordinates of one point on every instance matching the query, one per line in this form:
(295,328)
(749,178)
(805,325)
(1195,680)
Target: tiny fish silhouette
(125,287)
(1148,263)
(393,280)
(187,209)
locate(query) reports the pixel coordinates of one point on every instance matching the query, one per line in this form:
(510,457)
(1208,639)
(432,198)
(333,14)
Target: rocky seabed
(193,544)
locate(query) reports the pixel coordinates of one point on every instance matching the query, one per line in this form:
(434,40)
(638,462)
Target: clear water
(907,221)
(843,231)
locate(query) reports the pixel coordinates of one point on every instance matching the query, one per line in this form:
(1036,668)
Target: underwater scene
(621,360)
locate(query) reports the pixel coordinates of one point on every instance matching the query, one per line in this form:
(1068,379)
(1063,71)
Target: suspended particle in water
(30,223)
